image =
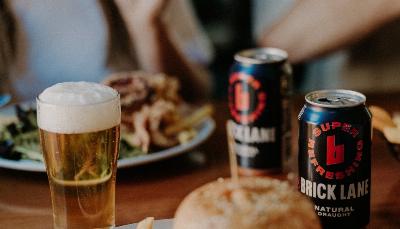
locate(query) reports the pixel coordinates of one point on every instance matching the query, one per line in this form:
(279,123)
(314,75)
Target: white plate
(158,224)
(205,129)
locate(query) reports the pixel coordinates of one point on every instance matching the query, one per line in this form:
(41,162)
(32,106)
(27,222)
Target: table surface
(157,189)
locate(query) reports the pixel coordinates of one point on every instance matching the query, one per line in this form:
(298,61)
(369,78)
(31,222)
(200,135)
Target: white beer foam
(78,107)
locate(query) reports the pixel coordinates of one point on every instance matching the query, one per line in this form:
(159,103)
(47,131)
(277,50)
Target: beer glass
(79,124)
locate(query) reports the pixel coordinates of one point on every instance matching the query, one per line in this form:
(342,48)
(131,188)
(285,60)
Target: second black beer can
(259,90)
(335,157)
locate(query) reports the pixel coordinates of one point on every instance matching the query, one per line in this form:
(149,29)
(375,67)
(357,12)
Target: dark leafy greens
(20,139)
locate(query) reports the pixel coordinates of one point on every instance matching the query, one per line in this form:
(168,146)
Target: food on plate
(147,223)
(19,138)
(381,118)
(252,203)
(153,113)
(383,121)
(389,126)
(154,117)
(392,134)
(396,118)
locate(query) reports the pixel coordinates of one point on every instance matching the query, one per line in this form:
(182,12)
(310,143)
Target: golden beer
(80,144)
(81,171)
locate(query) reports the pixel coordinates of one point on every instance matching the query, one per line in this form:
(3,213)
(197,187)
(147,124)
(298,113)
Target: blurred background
(370,64)
(336,44)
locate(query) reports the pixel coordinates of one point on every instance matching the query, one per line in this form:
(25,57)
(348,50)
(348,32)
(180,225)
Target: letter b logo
(242,98)
(334,153)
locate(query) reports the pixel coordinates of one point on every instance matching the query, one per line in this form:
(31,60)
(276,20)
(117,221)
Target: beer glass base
(63,227)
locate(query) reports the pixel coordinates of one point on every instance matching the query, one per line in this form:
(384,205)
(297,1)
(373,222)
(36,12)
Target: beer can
(335,157)
(259,90)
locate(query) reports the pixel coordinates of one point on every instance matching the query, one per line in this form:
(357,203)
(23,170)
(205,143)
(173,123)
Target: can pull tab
(329,99)
(332,100)
(267,57)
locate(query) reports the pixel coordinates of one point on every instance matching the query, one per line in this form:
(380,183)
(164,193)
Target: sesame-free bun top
(78,107)
(254,203)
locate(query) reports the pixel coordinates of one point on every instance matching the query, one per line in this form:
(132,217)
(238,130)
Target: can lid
(335,98)
(261,56)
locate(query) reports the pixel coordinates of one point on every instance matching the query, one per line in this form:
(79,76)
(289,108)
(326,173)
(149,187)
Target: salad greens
(19,139)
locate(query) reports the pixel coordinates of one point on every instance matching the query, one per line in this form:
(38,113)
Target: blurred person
(45,42)
(317,33)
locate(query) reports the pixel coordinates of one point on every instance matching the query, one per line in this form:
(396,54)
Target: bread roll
(254,203)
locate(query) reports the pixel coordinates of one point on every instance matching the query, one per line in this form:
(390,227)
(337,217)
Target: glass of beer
(79,124)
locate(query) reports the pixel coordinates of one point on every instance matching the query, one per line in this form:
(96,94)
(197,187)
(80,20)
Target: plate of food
(156,124)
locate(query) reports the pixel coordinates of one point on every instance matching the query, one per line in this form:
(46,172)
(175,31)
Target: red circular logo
(246,98)
(335,149)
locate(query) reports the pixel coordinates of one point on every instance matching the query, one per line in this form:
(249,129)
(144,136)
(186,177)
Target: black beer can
(259,89)
(335,157)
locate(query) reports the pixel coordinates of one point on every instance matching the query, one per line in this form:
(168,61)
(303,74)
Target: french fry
(190,121)
(396,119)
(147,223)
(392,134)
(380,125)
(381,118)
(186,136)
(382,115)
(382,121)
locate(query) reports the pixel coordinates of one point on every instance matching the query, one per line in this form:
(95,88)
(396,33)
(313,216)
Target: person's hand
(155,49)
(314,28)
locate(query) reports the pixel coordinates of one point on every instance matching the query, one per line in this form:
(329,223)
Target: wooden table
(157,189)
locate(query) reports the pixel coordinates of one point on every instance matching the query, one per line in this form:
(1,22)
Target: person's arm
(155,50)
(314,28)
